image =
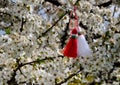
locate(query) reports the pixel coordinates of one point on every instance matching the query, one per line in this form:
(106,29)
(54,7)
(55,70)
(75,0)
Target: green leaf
(28,7)
(39,61)
(7,30)
(90,78)
(73,83)
(58,79)
(107,33)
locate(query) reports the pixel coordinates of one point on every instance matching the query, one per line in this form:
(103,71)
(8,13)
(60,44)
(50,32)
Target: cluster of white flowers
(22,46)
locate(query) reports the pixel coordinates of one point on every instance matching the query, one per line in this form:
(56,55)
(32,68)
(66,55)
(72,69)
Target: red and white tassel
(77,44)
(70,50)
(83,47)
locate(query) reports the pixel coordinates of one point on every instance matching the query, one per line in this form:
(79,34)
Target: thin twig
(22,23)
(83,26)
(55,2)
(5,13)
(106,4)
(65,35)
(114,11)
(36,61)
(44,33)
(118,23)
(22,73)
(69,77)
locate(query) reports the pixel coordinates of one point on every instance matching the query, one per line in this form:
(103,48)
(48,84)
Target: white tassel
(83,47)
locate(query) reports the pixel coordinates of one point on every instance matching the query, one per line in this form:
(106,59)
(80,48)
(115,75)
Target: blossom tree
(35,30)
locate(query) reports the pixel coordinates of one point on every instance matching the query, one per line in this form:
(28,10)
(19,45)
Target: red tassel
(70,49)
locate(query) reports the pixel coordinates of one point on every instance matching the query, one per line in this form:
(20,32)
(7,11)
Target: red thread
(70,49)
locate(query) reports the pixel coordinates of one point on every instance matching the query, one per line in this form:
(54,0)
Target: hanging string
(71,16)
(76,19)
(77,22)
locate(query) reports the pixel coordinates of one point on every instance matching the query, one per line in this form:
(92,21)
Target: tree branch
(37,61)
(22,73)
(69,77)
(96,36)
(64,36)
(109,79)
(12,80)
(106,4)
(55,2)
(44,33)
(114,11)
(23,21)
(5,13)
(116,64)
(83,26)
(117,23)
